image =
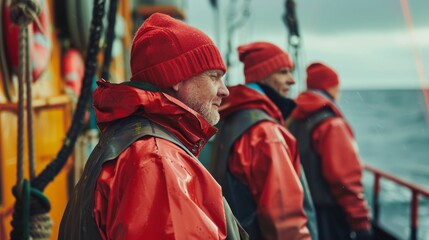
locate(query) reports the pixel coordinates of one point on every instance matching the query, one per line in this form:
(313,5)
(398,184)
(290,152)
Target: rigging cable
(418,60)
(231,28)
(55,166)
(294,39)
(291,22)
(110,37)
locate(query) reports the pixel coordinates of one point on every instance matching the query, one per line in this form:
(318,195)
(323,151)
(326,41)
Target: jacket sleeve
(262,160)
(156,196)
(334,142)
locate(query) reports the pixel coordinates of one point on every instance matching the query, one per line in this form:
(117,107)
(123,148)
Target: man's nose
(223,90)
(291,80)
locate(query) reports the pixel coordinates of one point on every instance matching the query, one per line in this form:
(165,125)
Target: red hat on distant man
(261,59)
(321,77)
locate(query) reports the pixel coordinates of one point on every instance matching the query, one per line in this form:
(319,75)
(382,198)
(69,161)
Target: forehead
(284,69)
(203,78)
(214,71)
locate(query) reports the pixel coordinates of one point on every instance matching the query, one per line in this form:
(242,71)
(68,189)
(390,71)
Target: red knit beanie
(166,51)
(261,59)
(320,76)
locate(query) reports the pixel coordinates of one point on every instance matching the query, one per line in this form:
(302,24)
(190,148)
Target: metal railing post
(375,203)
(414,204)
(414,215)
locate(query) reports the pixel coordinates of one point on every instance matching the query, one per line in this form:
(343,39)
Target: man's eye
(283,71)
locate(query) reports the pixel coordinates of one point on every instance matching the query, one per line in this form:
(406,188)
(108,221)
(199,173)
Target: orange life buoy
(73,70)
(40,43)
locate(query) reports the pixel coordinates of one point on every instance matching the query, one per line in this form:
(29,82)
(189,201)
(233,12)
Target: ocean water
(392,131)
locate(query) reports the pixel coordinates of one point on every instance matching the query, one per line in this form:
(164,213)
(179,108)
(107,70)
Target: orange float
(40,44)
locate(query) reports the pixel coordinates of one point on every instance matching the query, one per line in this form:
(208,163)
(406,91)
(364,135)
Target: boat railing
(416,191)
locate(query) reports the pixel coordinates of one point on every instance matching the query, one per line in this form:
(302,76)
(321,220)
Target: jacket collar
(115,101)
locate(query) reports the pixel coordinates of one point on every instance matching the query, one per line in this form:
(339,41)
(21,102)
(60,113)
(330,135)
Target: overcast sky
(366,41)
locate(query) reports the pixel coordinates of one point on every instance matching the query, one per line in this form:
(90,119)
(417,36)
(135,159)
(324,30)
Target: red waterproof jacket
(334,142)
(154,189)
(266,160)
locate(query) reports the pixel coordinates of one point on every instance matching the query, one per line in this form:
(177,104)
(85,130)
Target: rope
(55,166)
(29,202)
(28,80)
(417,57)
(41,226)
(21,213)
(29,216)
(23,42)
(110,36)
(24,12)
(21,15)
(40,221)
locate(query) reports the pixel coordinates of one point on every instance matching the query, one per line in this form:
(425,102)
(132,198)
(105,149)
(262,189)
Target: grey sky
(366,41)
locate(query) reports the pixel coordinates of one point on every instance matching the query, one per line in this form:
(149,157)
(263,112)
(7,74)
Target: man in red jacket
(143,181)
(330,158)
(257,163)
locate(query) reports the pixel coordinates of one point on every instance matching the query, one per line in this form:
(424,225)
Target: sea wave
(392,131)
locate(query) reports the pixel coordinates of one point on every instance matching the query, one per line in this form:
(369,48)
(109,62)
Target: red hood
(309,102)
(242,97)
(116,101)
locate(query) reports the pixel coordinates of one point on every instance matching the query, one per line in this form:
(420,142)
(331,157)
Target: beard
(205,110)
(211,116)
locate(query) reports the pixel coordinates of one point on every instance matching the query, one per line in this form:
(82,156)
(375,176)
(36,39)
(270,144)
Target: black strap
(129,130)
(318,118)
(310,160)
(230,130)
